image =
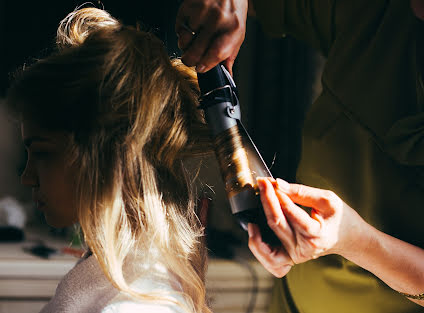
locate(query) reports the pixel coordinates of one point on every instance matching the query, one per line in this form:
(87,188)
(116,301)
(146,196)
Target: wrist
(357,237)
(360,245)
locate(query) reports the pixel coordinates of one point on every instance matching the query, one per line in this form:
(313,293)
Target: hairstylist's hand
(329,228)
(219,27)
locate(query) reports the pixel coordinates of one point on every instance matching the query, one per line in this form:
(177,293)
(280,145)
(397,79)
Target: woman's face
(48,175)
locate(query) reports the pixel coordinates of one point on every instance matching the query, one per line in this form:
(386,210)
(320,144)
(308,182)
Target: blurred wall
(12,157)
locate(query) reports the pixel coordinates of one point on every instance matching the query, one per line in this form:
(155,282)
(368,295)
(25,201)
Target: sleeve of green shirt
(334,27)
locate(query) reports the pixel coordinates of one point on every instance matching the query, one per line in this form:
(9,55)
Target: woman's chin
(57,221)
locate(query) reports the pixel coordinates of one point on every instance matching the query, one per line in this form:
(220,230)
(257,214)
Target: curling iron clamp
(239,160)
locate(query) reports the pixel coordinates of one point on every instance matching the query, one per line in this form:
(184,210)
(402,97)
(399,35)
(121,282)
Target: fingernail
(283,185)
(200,68)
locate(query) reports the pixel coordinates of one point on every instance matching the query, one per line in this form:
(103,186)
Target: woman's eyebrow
(29,140)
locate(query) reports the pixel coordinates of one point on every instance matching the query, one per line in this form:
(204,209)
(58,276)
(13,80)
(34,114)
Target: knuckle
(297,189)
(216,14)
(274,222)
(215,52)
(326,198)
(307,229)
(236,24)
(330,199)
(221,53)
(312,230)
(331,195)
(302,191)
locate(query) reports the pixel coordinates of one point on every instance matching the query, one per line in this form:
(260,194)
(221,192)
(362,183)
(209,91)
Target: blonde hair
(131,116)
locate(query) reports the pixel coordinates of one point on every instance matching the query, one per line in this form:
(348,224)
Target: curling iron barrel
(239,160)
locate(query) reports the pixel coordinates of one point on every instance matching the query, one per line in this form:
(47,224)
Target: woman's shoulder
(139,307)
(158,281)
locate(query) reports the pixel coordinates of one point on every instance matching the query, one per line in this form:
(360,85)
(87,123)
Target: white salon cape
(85,289)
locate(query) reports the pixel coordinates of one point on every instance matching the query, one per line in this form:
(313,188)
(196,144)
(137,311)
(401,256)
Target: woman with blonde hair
(107,121)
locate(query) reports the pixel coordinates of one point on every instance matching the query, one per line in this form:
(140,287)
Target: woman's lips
(38,199)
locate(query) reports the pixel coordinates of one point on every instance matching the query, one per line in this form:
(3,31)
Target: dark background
(274,75)
(28,28)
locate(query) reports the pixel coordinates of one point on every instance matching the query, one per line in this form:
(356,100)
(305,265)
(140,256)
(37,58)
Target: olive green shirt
(363,138)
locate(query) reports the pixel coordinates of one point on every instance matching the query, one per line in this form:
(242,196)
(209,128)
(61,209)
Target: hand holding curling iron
(331,227)
(211,32)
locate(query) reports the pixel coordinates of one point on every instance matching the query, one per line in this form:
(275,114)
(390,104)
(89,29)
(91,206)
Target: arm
(399,264)
(331,228)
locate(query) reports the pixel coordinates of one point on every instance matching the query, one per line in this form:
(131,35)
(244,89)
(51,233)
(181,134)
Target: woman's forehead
(32,131)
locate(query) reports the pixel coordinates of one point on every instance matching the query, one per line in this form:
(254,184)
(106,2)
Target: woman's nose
(29,177)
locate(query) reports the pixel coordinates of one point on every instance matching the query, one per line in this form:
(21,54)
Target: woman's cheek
(51,175)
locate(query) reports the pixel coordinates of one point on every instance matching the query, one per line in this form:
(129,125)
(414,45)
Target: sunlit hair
(131,116)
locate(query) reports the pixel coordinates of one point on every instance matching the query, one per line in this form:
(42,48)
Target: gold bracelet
(415,297)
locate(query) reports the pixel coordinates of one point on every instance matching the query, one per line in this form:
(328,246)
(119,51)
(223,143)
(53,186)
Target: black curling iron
(239,160)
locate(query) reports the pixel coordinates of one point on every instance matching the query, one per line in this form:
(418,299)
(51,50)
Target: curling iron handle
(212,79)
